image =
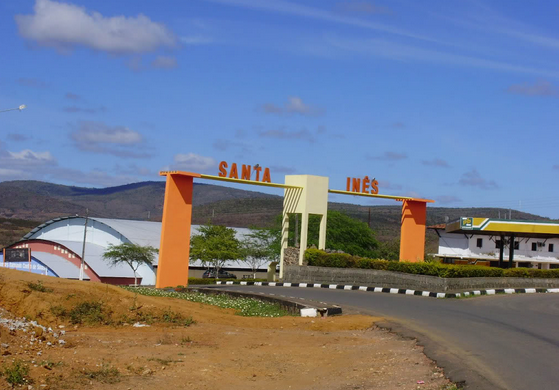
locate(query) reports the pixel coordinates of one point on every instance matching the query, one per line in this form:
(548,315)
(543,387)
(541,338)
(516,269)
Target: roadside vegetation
(319,258)
(247,307)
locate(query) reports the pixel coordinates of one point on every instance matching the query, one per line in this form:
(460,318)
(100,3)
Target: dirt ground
(220,351)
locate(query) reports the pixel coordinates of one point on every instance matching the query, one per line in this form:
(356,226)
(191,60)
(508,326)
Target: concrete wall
(375,278)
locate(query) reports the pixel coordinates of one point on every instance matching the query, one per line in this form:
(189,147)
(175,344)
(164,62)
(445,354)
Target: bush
(90,313)
(531,273)
(318,258)
(16,373)
(39,287)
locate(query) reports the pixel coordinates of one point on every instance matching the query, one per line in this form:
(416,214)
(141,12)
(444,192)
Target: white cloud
(448,199)
(539,88)
(436,162)
(389,156)
(97,137)
(362,7)
(378,47)
(165,62)
(29,157)
(65,26)
(474,179)
(303,134)
(23,164)
(11,173)
(294,105)
(300,10)
(194,162)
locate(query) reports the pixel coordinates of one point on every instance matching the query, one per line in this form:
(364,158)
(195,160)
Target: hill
(40,201)
(26,199)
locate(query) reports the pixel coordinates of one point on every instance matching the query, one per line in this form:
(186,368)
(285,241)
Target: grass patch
(105,374)
(39,287)
(90,313)
(243,306)
(16,373)
(172,317)
(87,312)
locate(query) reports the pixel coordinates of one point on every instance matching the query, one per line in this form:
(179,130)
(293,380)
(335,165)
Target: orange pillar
(174,250)
(412,236)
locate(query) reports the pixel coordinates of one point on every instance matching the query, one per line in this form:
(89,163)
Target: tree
(342,232)
(214,246)
(131,254)
(261,246)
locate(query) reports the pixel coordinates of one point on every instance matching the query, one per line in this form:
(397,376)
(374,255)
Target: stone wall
(376,278)
(291,256)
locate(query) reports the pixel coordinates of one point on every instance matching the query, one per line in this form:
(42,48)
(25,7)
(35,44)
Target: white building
(535,244)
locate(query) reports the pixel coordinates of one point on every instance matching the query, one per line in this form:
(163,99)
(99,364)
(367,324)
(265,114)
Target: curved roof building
(56,248)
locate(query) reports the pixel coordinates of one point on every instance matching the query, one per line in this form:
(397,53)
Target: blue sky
(453,101)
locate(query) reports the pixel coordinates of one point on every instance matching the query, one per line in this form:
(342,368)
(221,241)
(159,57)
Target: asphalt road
(491,342)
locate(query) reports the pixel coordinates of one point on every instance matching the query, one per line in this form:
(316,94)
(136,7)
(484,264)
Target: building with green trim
(487,241)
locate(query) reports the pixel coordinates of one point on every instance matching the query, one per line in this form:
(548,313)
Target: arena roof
(59,265)
(94,258)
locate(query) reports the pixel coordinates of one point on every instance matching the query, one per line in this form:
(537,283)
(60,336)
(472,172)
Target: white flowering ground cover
(248,307)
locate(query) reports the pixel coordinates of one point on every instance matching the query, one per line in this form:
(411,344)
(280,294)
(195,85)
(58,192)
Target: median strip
(399,290)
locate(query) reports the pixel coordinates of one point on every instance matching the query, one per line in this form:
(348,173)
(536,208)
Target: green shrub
(16,373)
(172,317)
(319,258)
(90,313)
(39,287)
(531,273)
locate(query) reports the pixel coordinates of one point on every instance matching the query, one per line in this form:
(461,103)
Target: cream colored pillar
(322,233)
(311,198)
(284,234)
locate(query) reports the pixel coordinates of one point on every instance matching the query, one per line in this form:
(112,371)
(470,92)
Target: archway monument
(303,194)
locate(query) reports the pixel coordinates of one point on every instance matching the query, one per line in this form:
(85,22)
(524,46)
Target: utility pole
(82,266)
(369,217)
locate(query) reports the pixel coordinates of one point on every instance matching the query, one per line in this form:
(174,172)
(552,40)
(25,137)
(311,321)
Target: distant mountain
(40,201)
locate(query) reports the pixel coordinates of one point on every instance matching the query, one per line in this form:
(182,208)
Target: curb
(398,290)
(291,306)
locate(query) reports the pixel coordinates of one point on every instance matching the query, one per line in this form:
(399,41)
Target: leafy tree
(260,247)
(214,246)
(342,233)
(131,254)
(389,250)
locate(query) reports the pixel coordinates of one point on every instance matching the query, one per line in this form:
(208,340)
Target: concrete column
(511,252)
(304,234)
(322,233)
(174,248)
(272,271)
(502,252)
(284,240)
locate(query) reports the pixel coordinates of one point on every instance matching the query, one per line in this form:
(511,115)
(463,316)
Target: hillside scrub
(319,258)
